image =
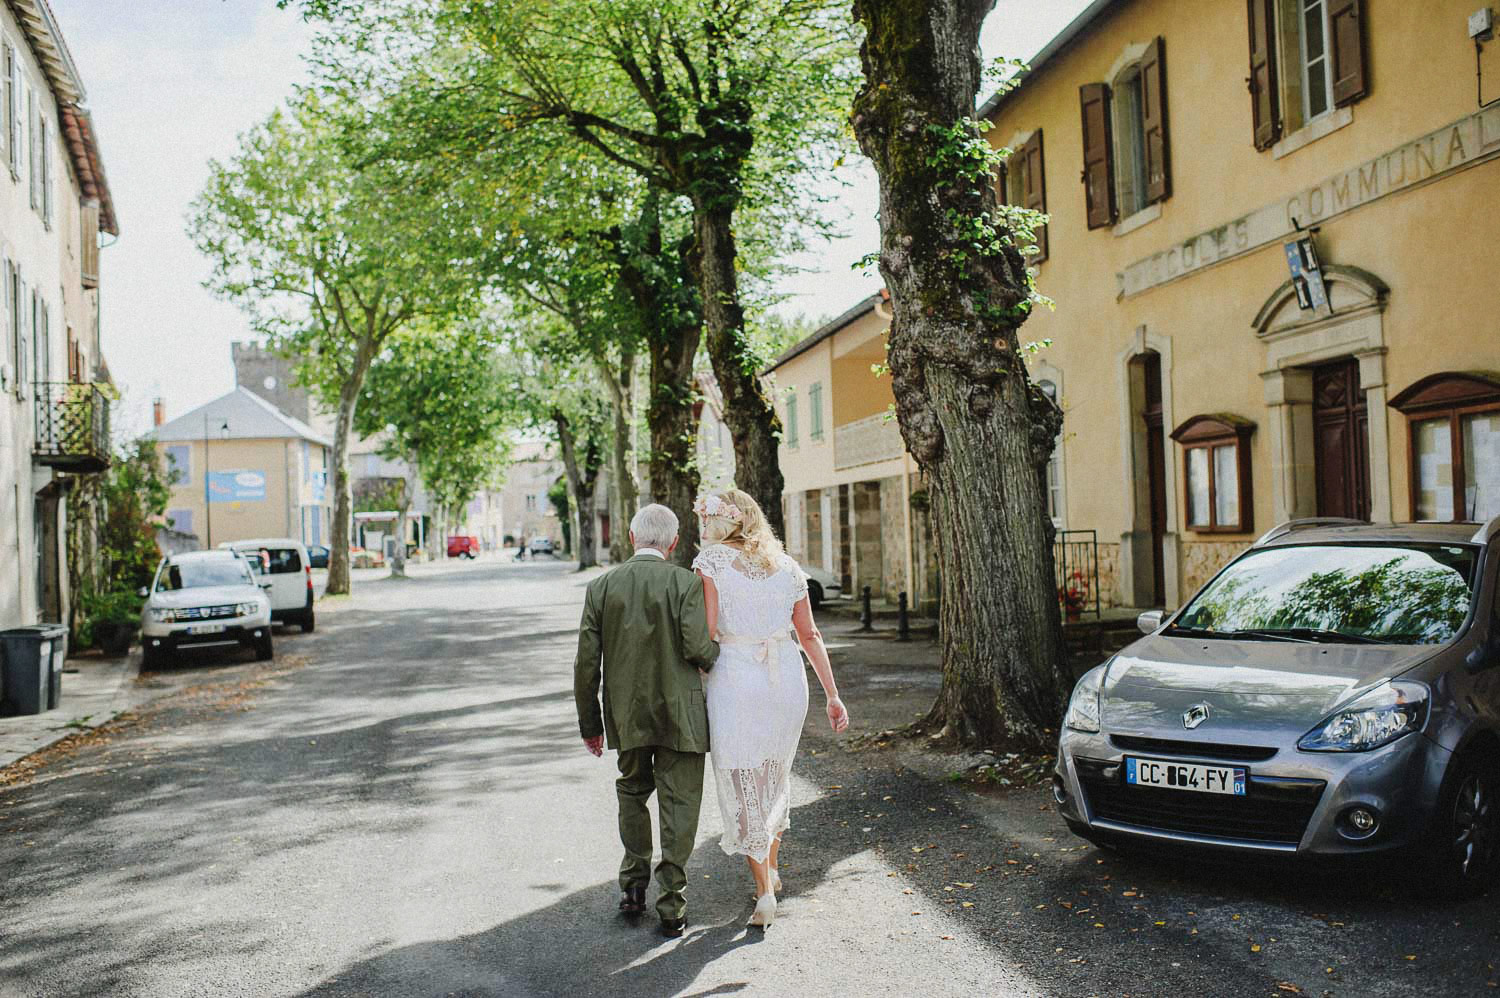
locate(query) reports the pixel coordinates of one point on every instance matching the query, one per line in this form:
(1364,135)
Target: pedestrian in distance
(644,637)
(757,694)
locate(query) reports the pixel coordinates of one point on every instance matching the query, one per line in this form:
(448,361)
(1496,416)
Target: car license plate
(1185,776)
(206,629)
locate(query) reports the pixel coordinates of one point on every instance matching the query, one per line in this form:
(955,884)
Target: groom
(645,621)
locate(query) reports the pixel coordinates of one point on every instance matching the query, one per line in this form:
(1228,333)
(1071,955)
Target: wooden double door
(1341,433)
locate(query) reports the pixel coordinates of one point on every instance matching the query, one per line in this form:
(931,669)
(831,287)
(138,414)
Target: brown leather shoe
(672,927)
(633,901)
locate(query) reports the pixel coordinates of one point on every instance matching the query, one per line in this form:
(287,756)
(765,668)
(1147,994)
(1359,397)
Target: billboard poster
(236,486)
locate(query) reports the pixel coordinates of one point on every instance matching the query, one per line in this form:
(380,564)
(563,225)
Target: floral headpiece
(711,505)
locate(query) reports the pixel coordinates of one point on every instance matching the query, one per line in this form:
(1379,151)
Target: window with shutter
(34,177)
(44,151)
(1034,188)
(13,112)
(1346,35)
(23,341)
(1098,167)
(1265,100)
(88,257)
(1153,74)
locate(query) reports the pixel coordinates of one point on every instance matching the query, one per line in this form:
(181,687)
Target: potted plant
(1074,596)
(112,619)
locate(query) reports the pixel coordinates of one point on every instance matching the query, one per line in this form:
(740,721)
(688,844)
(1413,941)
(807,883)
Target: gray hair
(654,526)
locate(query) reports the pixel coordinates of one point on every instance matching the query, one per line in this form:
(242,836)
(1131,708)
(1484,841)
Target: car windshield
(201,572)
(1390,593)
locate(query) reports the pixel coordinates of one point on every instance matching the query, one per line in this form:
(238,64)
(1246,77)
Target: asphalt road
(401,806)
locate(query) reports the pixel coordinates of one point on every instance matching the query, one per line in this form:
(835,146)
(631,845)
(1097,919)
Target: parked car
(461,546)
(317,555)
(542,545)
(1334,690)
(286,564)
(821,585)
(204,597)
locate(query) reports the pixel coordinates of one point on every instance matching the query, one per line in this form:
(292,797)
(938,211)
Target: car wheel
(264,650)
(1465,840)
(815,594)
(308,622)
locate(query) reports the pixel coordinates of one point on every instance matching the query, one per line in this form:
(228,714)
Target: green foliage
(134,493)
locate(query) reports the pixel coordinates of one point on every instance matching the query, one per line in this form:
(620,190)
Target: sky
(171,85)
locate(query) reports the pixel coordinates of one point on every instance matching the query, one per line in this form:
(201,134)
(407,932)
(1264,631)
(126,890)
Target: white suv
(285,564)
(204,597)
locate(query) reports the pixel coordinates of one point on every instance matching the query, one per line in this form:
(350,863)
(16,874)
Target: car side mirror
(143,592)
(1150,621)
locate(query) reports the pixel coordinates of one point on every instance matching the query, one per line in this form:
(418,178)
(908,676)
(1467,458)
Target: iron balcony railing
(72,426)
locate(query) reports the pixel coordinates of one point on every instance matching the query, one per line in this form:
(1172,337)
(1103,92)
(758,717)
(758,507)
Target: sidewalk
(94,690)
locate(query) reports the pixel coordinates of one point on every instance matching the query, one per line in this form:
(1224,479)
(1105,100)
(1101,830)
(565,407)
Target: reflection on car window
(1404,594)
(205,572)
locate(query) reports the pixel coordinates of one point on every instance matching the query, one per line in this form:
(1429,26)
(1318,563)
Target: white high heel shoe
(765,911)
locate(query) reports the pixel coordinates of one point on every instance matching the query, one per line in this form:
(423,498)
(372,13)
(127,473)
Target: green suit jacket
(645,627)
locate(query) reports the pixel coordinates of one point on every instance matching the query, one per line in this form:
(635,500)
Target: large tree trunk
(581,482)
(659,280)
(343,499)
(748,410)
(966,408)
(398,561)
(624,492)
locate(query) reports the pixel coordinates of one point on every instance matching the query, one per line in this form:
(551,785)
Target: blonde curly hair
(742,525)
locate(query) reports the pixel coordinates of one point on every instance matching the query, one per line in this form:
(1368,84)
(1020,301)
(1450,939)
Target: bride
(757,692)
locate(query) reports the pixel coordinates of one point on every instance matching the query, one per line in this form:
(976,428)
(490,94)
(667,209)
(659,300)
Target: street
(400,805)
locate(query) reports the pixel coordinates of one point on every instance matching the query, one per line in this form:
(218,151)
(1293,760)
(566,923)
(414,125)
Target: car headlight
(246,609)
(163,615)
(1083,706)
(1375,719)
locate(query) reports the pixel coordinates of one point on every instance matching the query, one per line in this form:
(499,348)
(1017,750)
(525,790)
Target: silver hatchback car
(1334,690)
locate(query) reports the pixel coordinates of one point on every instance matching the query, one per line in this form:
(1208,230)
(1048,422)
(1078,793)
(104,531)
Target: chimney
(158,412)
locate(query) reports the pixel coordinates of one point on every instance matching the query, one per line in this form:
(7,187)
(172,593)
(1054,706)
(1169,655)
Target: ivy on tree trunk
(977,427)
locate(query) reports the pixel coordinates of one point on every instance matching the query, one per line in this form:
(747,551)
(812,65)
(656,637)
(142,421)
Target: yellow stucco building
(245,470)
(1270,304)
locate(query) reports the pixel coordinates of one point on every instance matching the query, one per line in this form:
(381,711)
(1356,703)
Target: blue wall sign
(236,486)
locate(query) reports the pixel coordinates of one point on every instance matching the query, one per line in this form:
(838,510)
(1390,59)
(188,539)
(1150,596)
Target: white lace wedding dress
(757,696)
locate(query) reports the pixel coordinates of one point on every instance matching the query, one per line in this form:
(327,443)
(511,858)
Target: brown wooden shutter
(1098,166)
(1154,122)
(1036,188)
(1348,50)
(1265,99)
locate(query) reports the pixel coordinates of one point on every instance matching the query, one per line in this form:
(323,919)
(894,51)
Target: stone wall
(1202,559)
(893,525)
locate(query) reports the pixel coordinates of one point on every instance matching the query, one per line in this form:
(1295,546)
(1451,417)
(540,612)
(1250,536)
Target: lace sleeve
(712,560)
(798,577)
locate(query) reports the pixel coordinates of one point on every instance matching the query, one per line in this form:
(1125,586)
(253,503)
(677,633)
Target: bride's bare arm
(817,654)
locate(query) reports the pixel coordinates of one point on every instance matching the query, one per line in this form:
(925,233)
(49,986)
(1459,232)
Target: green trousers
(677,779)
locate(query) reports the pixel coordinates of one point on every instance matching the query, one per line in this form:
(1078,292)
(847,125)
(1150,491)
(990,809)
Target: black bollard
(903,625)
(866,618)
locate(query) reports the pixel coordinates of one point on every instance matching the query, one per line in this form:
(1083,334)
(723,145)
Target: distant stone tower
(271,377)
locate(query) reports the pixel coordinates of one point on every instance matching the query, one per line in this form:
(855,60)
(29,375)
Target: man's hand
(595,745)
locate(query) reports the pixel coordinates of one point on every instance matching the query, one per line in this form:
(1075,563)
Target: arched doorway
(1148,569)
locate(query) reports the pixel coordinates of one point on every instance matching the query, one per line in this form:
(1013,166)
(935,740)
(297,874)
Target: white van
(284,563)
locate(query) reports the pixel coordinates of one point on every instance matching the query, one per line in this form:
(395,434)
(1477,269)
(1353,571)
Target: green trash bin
(27,665)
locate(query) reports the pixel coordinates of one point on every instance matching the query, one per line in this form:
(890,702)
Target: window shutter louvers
(1265,100)
(1154,122)
(1035,192)
(34,177)
(1348,51)
(1098,168)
